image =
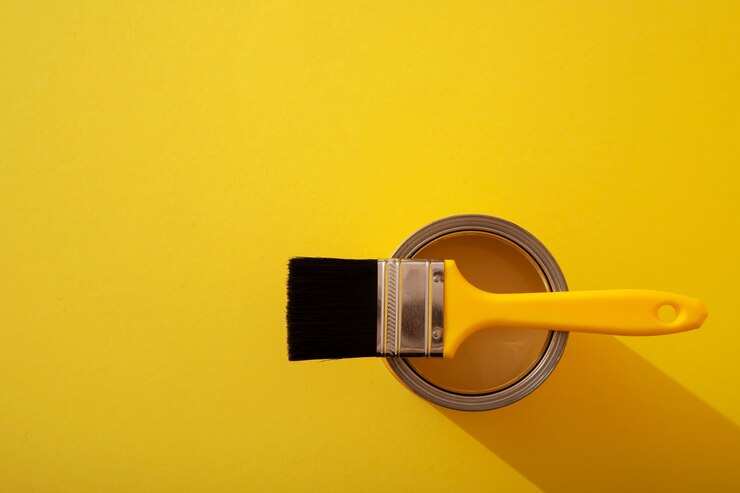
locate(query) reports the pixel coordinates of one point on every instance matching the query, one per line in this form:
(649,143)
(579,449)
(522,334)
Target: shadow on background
(608,420)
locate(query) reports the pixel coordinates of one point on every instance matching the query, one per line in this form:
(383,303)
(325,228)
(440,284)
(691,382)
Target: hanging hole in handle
(667,313)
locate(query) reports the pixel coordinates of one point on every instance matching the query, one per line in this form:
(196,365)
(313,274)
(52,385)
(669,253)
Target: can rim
(555,346)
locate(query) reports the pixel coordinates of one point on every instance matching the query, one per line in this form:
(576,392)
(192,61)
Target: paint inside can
(494,358)
(497,366)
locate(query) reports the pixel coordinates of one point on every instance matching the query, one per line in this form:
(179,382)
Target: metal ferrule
(410,308)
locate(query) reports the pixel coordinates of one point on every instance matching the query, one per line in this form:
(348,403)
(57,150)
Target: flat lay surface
(159,164)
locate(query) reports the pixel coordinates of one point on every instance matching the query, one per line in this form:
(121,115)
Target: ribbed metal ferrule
(410,308)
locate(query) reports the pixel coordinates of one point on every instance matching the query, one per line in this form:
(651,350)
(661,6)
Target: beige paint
(495,358)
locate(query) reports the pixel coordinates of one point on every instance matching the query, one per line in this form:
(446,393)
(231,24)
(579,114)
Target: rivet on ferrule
(410,308)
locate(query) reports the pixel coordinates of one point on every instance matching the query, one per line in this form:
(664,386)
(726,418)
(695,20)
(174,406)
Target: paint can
(497,366)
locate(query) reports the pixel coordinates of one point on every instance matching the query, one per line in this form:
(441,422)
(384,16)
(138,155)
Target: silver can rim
(556,344)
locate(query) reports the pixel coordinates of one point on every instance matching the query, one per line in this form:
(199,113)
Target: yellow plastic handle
(617,312)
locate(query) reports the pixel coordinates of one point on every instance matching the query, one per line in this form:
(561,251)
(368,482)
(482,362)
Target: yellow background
(159,163)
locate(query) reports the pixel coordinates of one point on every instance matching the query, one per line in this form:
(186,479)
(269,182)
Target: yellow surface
(160,162)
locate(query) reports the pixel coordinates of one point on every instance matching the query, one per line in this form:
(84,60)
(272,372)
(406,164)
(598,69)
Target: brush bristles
(332,308)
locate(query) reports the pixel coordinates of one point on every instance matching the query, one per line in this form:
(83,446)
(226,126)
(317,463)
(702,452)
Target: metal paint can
(500,366)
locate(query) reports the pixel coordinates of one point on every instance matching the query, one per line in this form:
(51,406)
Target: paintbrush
(343,308)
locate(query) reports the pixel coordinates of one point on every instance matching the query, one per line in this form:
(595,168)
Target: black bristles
(332,308)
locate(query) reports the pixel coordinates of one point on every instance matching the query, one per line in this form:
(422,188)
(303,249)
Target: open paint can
(497,366)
